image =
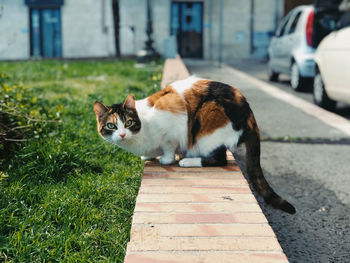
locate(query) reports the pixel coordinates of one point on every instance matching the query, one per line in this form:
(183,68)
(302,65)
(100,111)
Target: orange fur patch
(238,98)
(192,97)
(211,117)
(167,99)
(251,122)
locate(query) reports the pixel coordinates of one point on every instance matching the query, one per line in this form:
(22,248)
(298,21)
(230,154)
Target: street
(306,161)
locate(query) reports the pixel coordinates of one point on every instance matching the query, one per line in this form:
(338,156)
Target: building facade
(56,28)
(247,26)
(86,28)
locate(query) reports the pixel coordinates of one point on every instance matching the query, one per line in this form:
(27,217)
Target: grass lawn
(66,195)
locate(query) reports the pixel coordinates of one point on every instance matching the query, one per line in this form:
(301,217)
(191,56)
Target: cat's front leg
(147,158)
(190,162)
(168,156)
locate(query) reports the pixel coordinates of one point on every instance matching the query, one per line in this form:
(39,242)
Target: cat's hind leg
(215,158)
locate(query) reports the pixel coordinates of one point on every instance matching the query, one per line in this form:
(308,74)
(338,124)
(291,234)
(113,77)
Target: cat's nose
(122,135)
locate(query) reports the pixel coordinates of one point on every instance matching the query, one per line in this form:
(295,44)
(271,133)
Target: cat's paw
(166,160)
(146,158)
(191,162)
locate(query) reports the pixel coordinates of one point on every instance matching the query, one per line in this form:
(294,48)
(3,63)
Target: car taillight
(309,28)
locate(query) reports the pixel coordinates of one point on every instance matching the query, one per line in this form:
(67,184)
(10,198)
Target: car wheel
(273,76)
(297,82)
(319,94)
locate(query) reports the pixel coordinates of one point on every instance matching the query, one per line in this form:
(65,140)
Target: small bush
(23,116)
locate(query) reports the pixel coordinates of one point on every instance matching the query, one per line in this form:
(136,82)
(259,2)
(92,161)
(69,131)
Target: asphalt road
(311,169)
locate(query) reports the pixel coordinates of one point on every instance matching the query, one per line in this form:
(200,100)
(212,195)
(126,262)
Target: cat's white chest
(158,128)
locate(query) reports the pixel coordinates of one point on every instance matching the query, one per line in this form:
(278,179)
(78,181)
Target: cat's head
(119,122)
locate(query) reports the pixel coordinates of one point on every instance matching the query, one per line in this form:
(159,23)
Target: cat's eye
(111,126)
(129,123)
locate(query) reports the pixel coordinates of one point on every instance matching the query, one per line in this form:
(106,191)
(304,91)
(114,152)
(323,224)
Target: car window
(294,24)
(282,27)
(344,20)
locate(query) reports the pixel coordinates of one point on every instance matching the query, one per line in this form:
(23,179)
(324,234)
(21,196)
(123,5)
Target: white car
(332,62)
(291,51)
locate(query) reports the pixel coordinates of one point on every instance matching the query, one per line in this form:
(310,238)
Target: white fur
(191,162)
(226,136)
(164,133)
(116,136)
(182,85)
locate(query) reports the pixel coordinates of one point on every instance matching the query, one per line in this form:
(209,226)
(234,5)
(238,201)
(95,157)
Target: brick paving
(174,69)
(198,214)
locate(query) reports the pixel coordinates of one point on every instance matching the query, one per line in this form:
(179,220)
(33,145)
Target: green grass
(69,196)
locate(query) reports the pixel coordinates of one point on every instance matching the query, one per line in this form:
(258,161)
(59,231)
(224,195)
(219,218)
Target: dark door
(46,40)
(187,26)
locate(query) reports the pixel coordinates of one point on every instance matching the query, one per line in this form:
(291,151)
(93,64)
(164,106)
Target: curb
(174,69)
(198,214)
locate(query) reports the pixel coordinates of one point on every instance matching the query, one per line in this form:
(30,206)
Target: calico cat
(197,118)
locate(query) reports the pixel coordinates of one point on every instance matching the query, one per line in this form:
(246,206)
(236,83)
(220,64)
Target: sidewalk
(199,215)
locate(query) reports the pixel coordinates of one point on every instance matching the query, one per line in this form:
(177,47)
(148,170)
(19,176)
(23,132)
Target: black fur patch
(216,158)
(196,126)
(224,96)
(125,114)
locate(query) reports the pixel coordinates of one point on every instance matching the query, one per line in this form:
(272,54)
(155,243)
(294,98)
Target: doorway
(187,26)
(45,32)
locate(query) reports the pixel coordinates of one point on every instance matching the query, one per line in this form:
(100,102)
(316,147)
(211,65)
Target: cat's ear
(100,109)
(129,102)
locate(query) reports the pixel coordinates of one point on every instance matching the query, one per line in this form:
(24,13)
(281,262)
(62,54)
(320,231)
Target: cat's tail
(254,171)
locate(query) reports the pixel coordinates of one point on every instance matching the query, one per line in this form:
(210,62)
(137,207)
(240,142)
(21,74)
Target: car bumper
(306,65)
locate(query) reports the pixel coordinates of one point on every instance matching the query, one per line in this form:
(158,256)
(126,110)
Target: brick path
(174,69)
(198,214)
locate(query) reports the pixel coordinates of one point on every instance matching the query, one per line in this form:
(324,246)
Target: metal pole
(211,29)
(252,11)
(220,32)
(103,16)
(149,29)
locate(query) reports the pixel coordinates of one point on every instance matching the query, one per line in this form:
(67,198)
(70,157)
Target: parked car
(332,79)
(290,50)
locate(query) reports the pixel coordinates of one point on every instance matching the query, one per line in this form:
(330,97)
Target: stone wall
(14,30)
(85,33)
(87,29)
(236,26)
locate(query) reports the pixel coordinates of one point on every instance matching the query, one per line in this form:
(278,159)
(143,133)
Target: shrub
(23,116)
